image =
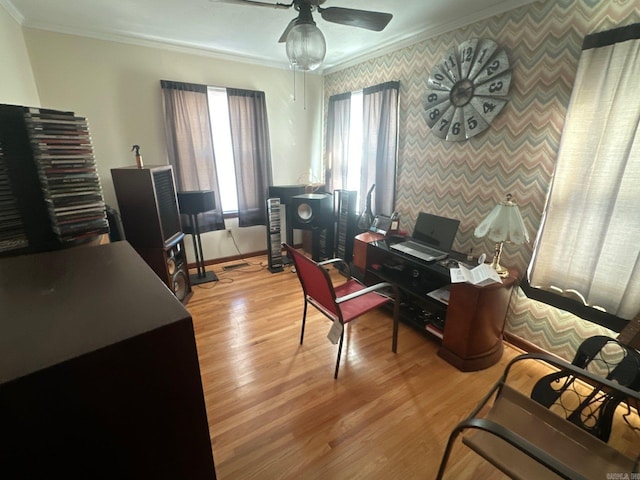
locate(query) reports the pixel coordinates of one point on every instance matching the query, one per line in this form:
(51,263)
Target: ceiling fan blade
(375,21)
(283,37)
(251,2)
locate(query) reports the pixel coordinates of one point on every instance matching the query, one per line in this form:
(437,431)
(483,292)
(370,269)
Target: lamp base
(500,270)
(495,264)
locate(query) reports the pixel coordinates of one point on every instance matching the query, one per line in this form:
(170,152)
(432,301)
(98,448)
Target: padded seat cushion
(590,457)
(354,308)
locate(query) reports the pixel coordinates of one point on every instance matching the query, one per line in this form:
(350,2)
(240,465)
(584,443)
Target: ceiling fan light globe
(306,46)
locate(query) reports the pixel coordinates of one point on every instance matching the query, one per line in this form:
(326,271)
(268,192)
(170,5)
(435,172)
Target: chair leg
(304,319)
(335,375)
(447,453)
(396,321)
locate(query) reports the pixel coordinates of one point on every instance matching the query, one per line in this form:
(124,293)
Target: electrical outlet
(229,234)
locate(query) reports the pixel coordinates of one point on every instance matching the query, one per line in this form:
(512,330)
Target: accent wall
(516,154)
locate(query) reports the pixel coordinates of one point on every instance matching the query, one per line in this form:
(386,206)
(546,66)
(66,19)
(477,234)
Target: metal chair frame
(351,296)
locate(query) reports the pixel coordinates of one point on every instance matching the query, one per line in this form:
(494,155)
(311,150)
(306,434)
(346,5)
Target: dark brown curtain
(251,153)
(190,146)
(380,144)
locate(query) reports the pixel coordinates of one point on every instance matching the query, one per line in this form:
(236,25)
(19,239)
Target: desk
(470,327)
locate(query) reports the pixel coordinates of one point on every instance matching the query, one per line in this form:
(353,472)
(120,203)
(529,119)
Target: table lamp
(503,224)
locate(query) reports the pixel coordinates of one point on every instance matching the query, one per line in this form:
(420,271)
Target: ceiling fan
(306,46)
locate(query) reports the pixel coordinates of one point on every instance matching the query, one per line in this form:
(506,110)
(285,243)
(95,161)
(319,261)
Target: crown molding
(13,11)
(417,36)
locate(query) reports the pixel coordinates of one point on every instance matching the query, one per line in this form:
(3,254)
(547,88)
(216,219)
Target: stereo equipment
(200,201)
(116,230)
(285,193)
(311,211)
(170,264)
(151,220)
(148,205)
(274,239)
(345,212)
(192,204)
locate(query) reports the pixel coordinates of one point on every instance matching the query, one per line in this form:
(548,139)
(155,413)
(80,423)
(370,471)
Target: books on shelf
(434,330)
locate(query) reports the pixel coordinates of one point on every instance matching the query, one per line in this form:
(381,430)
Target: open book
(481,275)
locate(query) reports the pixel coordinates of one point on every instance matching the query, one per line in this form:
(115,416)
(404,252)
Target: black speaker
(195,202)
(285,192)
(311,211)
(178,271)
(345,211)
(170,264)
(148,205)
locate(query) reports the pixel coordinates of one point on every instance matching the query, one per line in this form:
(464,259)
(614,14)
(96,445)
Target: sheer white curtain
(588,245)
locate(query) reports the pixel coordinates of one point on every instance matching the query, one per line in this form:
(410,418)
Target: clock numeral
(438,79)
(467,55)
(433,114)
(488,107)
(443,124)
(455,128)
(432,98)
(472,123)
(493,68)
(496,87)
(482,54)
(451,62)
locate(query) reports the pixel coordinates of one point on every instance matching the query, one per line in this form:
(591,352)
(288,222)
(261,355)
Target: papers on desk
(481,275)
(441,294)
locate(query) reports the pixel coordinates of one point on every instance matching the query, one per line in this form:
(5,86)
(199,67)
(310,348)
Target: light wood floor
(275,411)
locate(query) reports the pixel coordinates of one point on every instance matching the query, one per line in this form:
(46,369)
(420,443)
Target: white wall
(117,87)
(17,85)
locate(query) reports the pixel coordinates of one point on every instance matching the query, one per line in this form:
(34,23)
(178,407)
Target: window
(354,163)
(361,143)
(587,247)
(218,139)
(222,147)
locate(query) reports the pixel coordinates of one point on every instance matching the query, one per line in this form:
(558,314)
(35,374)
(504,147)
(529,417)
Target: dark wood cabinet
(470,327)
(99,372)
(360,249)
(472,336)
(149,209)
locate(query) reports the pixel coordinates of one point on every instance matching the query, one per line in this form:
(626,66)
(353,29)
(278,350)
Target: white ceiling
(247,32)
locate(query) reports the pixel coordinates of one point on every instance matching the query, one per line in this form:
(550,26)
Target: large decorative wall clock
(467,89)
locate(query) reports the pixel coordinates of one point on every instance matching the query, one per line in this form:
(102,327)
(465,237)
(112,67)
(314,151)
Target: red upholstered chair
(340,303)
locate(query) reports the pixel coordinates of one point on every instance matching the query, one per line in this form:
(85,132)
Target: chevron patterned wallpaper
(515,155)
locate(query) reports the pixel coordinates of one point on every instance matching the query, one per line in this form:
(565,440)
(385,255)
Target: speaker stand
(202,276)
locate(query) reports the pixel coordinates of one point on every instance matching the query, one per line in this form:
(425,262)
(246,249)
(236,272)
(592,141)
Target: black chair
(561,429)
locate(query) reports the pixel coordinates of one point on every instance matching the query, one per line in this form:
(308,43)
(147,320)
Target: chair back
(592,409)
(315,281)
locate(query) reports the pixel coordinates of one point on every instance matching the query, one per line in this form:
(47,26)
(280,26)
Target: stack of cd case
(51,173)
